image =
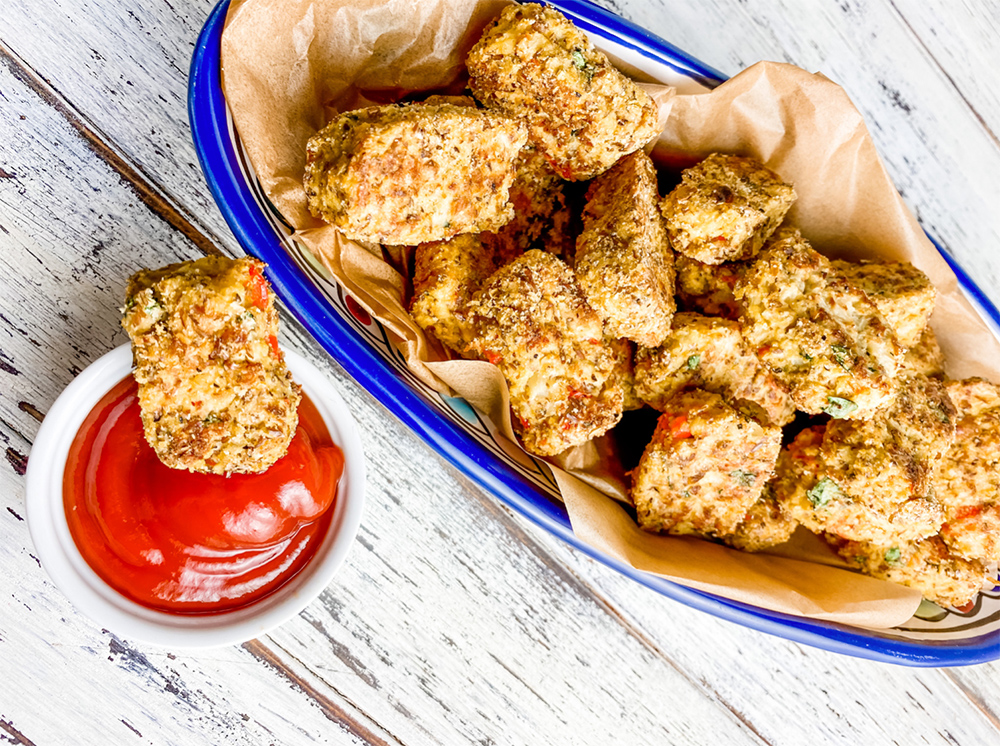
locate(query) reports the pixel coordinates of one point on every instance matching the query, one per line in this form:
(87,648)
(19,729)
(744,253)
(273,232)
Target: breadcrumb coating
(541,215)
(704,468)
(973,530)
(214,393)
(967,479)
(446,276)
(871,480)
(925,565)
(709,353)
(901,293)
(624,372)
(409,173)
(708,288)
(819,334)
(725,208)
(623,261)
(764,526)
(974,396)
(532,320)
(584,114)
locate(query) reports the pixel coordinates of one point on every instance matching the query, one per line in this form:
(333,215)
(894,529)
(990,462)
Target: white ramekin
(108,608)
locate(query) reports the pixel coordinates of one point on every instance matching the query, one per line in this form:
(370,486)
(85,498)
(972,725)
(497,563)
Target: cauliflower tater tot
(541,215)
(819,334)
(764,526)
(901,292)
(871,480)
(410,173)
(725,208)
(584,114)
(214,393)
(532,320)
(710,288)
(446,276)
(967,479)
(623,261)
(709,353)
(814,499)
(704,468)
(926,565)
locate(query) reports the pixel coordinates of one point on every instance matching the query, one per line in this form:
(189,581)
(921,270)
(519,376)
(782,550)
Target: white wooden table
(454,621)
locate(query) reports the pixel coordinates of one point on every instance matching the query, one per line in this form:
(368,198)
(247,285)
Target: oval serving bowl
(454,429)
(107,607)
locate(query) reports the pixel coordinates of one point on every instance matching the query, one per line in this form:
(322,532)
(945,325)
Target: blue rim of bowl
(208,117)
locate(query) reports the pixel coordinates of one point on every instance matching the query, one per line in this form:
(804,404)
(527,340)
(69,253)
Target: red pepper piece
(258,288)
(678,425)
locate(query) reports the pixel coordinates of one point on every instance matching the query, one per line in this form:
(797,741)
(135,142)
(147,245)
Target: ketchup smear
(190,543)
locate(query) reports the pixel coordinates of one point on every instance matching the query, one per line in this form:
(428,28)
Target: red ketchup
(190,543)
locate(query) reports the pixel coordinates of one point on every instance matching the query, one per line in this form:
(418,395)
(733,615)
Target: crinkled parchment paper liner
(289,65)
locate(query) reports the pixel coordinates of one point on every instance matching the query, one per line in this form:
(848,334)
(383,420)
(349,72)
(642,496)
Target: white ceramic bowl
(108,608)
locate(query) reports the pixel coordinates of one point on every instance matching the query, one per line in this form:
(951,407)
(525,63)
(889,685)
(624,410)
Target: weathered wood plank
(342,713)
(123,74)
(979,684)
(826,698)
(960,41)
(546,660)
(150,196)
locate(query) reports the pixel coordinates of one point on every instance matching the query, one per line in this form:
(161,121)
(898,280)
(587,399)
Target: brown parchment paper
(290,65)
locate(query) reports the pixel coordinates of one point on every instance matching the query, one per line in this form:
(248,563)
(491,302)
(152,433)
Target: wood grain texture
(153,199)
(123,73)
(453,620)
(826,698)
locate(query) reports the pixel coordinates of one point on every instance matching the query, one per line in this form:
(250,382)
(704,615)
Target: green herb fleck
(825,492)
(693,362)
(892,556)
(154,306)
(805,355)
(941,414)
(839,407)
(212,419)
(580,62)
(841,354)
(130,303)
(744,478)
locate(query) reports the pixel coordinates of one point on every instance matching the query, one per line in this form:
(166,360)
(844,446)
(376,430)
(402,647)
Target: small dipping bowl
(70,572)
